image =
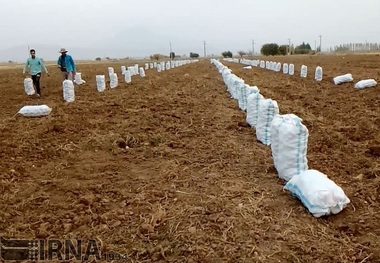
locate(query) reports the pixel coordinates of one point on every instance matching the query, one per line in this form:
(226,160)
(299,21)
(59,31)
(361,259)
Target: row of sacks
(288,139)
(318,76)
(159,66)
(130,71)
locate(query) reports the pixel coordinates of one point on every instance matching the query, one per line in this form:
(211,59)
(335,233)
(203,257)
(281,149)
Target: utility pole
(253,47)
(320,43)
(204,48)
(171,52)
(289,47)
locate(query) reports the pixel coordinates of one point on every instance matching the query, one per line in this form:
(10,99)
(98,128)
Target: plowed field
(165,169)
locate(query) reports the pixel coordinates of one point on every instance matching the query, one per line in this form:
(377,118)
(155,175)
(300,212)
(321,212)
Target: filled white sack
(114,81)
(28,86)
(100,83)
(268,108)
(68,90)
(127,76)
(242,96)
(320,195)
(318,73)
(248,67)
(278,67)
(303,73)
(291,69)
(253,101)
(285,68)
(78,79)
(142,72)
(367,83)
(111,70)
(289,139)
(35,111)
(123,69)
(343,78)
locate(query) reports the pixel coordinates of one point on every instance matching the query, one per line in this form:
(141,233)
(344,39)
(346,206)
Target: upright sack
(28,86)
(253,102)
(100,83)
(267,110)
(289,138)
(68,90)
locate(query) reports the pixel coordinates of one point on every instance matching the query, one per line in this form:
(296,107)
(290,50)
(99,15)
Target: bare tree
(242,53)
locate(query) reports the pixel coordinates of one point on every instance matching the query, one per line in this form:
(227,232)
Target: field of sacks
(166,169)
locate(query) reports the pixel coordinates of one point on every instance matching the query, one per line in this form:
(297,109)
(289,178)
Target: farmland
(165,169)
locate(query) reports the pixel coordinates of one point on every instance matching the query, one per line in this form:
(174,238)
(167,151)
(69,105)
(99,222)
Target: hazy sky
(143,27)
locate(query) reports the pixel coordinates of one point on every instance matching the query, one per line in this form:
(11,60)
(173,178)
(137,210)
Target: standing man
(67,65)
(35,66)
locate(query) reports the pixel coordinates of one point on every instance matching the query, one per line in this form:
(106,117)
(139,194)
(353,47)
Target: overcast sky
(142,27)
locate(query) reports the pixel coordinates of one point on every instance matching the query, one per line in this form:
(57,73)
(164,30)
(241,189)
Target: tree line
(272,49)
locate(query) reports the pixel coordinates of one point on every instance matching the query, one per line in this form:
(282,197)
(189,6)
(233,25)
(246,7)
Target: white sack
(78,79)
(28,86)
(123,69)
(289,138)
(267,110)
(142,72)
(319,194)
(285,68)
(68,90)
(278,67)
(303,71)
(367,83)
(291,69)
(342,79)
(114,81)
(111,70)
(35,111)
(253,101)
(127,76)
(318,73)
(100,83)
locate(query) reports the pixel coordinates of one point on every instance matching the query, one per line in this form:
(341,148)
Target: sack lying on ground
(319,194)
(367,83)
(35,111)
(342,79)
